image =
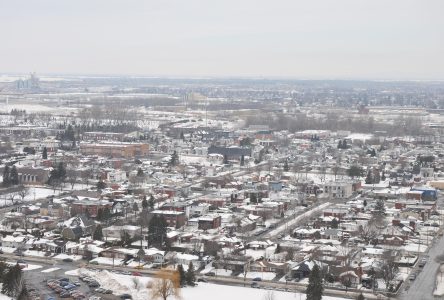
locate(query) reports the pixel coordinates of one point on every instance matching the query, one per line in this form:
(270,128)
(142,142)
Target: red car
(136,274)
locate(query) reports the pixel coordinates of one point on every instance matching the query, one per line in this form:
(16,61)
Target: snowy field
(33,193)
(137,288)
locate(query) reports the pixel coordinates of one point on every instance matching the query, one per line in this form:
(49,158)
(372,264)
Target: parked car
(202,280)
(257,279)
(255,285)
(412,277)
(67,260)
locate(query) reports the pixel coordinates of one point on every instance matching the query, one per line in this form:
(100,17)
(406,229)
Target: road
(423,286)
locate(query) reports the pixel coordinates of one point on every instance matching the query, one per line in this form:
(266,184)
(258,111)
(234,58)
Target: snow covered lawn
(106,261)
(65,256)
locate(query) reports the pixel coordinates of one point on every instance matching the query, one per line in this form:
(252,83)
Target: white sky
(365,39)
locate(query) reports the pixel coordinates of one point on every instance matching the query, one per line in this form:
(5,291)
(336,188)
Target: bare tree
(269,296)
(23,193)
(166,284)
(71,175)
(389,270)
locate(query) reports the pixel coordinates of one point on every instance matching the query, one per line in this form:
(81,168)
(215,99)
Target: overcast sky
(342,39)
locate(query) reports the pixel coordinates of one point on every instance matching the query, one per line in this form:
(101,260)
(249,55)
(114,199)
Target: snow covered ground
(107,261)
(137,288)
(65,256)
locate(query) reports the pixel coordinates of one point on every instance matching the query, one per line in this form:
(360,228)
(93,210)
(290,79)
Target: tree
(151,202)
(101,185)
(72,176)
(225,162)
(379,208)
(157,228)
(360,297)
(23,193)
(335,223)
(144,203)
(13,176)
(13,283)
(125,238)
(344,146)
(242,161)
(354,171)
(6,176)
(389,270)
(166,284)
(182,275)
(135,208)
(190,276)
(269,296)
(365,203)
(369,178)
(139,172)
(45,153)
(253,198)
(174,160)
(315,288)
(340,144)
(98,234)
(286,167)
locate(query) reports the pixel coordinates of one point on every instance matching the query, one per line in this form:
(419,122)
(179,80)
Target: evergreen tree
(368,179)
(253,198)
(190,276)
(144,202)
(360,297)
(225,162)
(182,136)
(365,203)
(383,178)
(6,176)
(355,171)
(151,202)
(98,234)
(61,171)
(340,144)
(139,172)
(335,223)
(315,288)
(13,282)
(157,229)
(99,214)
(45,153)
(106,213)
(379,207)
(286,167)
(101,185)
(13,176)
(242,161)
(174,161)
(182,275)
(344,146)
